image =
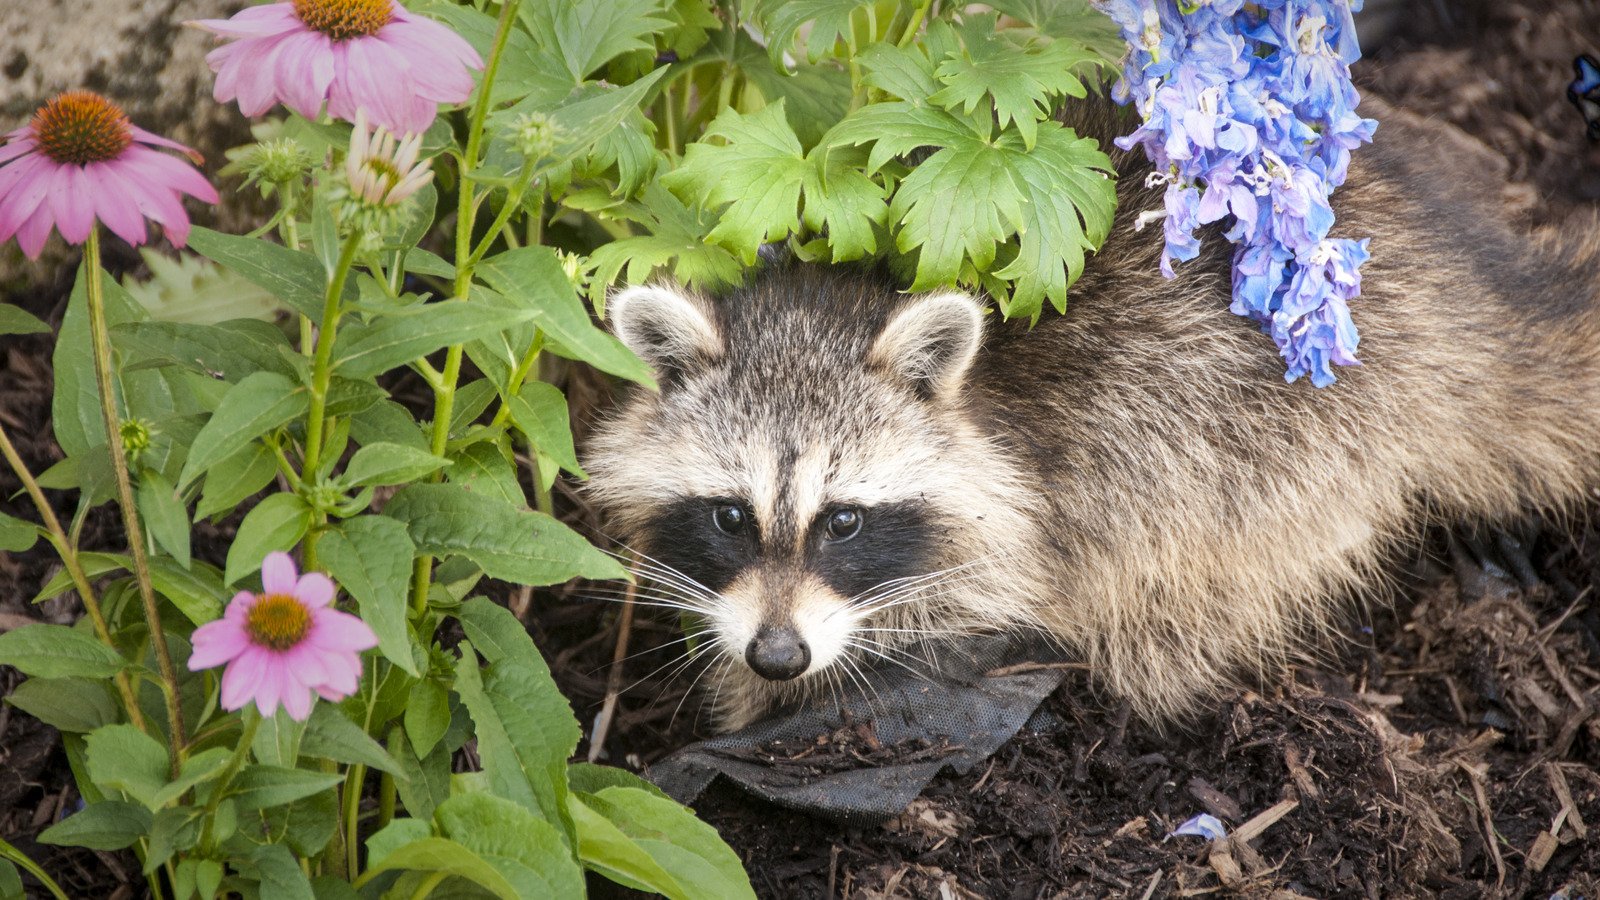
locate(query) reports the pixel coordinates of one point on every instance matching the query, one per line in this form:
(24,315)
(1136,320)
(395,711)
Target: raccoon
(833,469)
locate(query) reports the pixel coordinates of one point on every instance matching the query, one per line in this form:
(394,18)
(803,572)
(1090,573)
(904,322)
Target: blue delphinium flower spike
(1248,111)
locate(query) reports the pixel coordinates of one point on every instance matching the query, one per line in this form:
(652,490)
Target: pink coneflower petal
(34,232)
(439,79)
(253,21)
(269,686)
(315,590)
(17,143)
(304,72)
(161,169)
(216,643)
(349,55)
(242,677)
(297,701)
(71,204)
(278,574)
(121,217)
(28,189)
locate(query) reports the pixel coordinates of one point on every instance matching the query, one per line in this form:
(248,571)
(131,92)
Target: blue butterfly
(1585,92)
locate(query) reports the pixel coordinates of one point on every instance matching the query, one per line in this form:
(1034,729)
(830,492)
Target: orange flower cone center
(81,127)
(278,621)
(345,19)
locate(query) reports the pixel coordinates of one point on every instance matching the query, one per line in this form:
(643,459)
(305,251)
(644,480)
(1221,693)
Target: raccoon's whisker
(633,558)
(646,600)
(869,691)
(857,644)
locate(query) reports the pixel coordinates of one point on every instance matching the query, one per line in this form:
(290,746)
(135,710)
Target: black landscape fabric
(861,753)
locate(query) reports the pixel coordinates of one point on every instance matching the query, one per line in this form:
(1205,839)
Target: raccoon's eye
(729,519)
(844,523)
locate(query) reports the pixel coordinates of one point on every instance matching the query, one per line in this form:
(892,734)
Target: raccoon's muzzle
(778,653)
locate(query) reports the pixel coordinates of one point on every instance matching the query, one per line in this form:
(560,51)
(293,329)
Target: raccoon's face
(798,481)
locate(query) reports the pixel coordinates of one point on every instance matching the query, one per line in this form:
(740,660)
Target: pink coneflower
(354,54)
(80,159)
(284,643)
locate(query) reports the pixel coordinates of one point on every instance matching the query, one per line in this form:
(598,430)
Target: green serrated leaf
(507,543)
(259,787)
(1023,82)
(228,351)
(830,23)
(276,523)
(483,469)
(840,199)
(236,478)
(295,277)
(427,781)
(1068,200)
(281,875)
(586,33)
(164,515)
(197,770)
(17,535)
(757,174)
(533,276)
(125,758)
(197,591)
(370,556)
(78,705)
(676,237)
(256,405)
(540,411)
(75,406)
(688,848)
(528,852)
(329,734)
(56,651)
(395,340)
(427,714)
(15,320)
(107,825)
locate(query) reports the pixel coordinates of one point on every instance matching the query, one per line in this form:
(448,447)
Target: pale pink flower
(381,172)
(284,643)
(80,159)
(354,54)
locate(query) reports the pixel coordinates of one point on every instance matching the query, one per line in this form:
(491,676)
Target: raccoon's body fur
(1134,476)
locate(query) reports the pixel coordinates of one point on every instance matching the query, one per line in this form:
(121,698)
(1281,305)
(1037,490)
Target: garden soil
(1447,744)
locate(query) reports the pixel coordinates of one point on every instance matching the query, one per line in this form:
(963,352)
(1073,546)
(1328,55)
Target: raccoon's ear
(665,328)
(932,341)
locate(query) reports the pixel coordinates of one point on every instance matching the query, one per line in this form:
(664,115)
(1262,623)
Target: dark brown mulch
(1450,748)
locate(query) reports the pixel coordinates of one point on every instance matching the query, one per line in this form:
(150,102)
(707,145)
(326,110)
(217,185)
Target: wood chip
(1154,880)
(1221,859)
(1539,698)
(1476,775)
(1544,846)
(1216,802)
(1559,673)
(1563,792)
(1302,778)
(1263,820)
(1132,826)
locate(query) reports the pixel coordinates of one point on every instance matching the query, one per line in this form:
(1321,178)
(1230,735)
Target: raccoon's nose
(777,654)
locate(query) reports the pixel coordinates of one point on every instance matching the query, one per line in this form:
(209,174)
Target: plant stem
(914,24)
(385,800)
(130,513)
(444,393)
(354,778)
(321,373)
(80,579)
(17,856)
(252,724)
(507,210)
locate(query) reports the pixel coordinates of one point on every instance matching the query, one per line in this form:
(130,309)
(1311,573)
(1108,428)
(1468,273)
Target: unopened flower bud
(576,268)
(135,437)
(534,135)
